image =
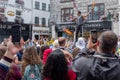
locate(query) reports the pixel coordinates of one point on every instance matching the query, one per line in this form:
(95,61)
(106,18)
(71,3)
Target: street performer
(79,23)
(80,20)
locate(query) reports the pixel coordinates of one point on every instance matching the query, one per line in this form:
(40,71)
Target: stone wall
(82,5)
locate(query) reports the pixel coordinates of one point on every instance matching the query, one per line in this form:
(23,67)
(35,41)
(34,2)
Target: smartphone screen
(94,36)
(16,33)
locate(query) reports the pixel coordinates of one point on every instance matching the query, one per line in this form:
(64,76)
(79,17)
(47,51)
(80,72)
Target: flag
(93,5)
(67,31)
(74,4)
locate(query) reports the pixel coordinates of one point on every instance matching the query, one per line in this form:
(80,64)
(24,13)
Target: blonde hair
(56,44)
(29,57)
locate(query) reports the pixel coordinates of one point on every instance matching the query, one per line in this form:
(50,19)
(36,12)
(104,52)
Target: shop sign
(90,25)
(98,25)
(10,13)
(17,6)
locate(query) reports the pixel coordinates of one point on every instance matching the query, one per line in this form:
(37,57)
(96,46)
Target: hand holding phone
(16,33)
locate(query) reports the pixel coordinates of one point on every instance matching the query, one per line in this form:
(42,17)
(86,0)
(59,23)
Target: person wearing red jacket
(57,68)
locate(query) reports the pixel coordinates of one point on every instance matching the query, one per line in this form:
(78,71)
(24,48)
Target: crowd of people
(65,60)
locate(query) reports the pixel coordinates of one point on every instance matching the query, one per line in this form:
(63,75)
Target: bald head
(61,41)
(108,41)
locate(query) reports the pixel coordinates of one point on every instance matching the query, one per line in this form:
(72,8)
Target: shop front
(99,26)
(6,30)
(41,34)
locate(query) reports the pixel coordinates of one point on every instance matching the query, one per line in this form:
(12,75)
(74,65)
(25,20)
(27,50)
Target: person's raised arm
(12,49)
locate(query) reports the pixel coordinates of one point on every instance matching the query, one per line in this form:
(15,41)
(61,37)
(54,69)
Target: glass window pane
(43,22)
(66,13)
(2,10)
(97,12)
(36,20)
(37,5)
(43,6)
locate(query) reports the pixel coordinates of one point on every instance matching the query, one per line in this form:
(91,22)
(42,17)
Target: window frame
(19,2)
(37,5)
(37,21)
(64,1)
(49,7)
(2,10)
(64,13)
(20,13)
(99,12)
(44,5)
(43,22)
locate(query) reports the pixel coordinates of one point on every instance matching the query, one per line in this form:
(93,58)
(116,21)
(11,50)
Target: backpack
(32,72)
(103,67)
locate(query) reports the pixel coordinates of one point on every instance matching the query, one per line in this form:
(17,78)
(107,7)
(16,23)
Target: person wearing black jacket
(102,64)
(79,23)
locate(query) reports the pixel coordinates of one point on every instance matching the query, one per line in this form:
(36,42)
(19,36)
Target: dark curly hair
(56,67)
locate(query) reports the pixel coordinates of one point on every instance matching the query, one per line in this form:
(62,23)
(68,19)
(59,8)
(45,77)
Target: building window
(18,13)
(43,22)
(66,0)
(37,5)
(18,18)
(3,18)
(36,20)
(97,12)
(44,6)
(20,2)
(3,0)
(2,10)
(48,7)
(66,13)
(48,22)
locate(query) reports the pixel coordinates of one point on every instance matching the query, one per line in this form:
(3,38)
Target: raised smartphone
(94,36)
(16,33)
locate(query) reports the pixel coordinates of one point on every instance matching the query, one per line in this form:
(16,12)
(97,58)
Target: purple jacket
(14,73)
